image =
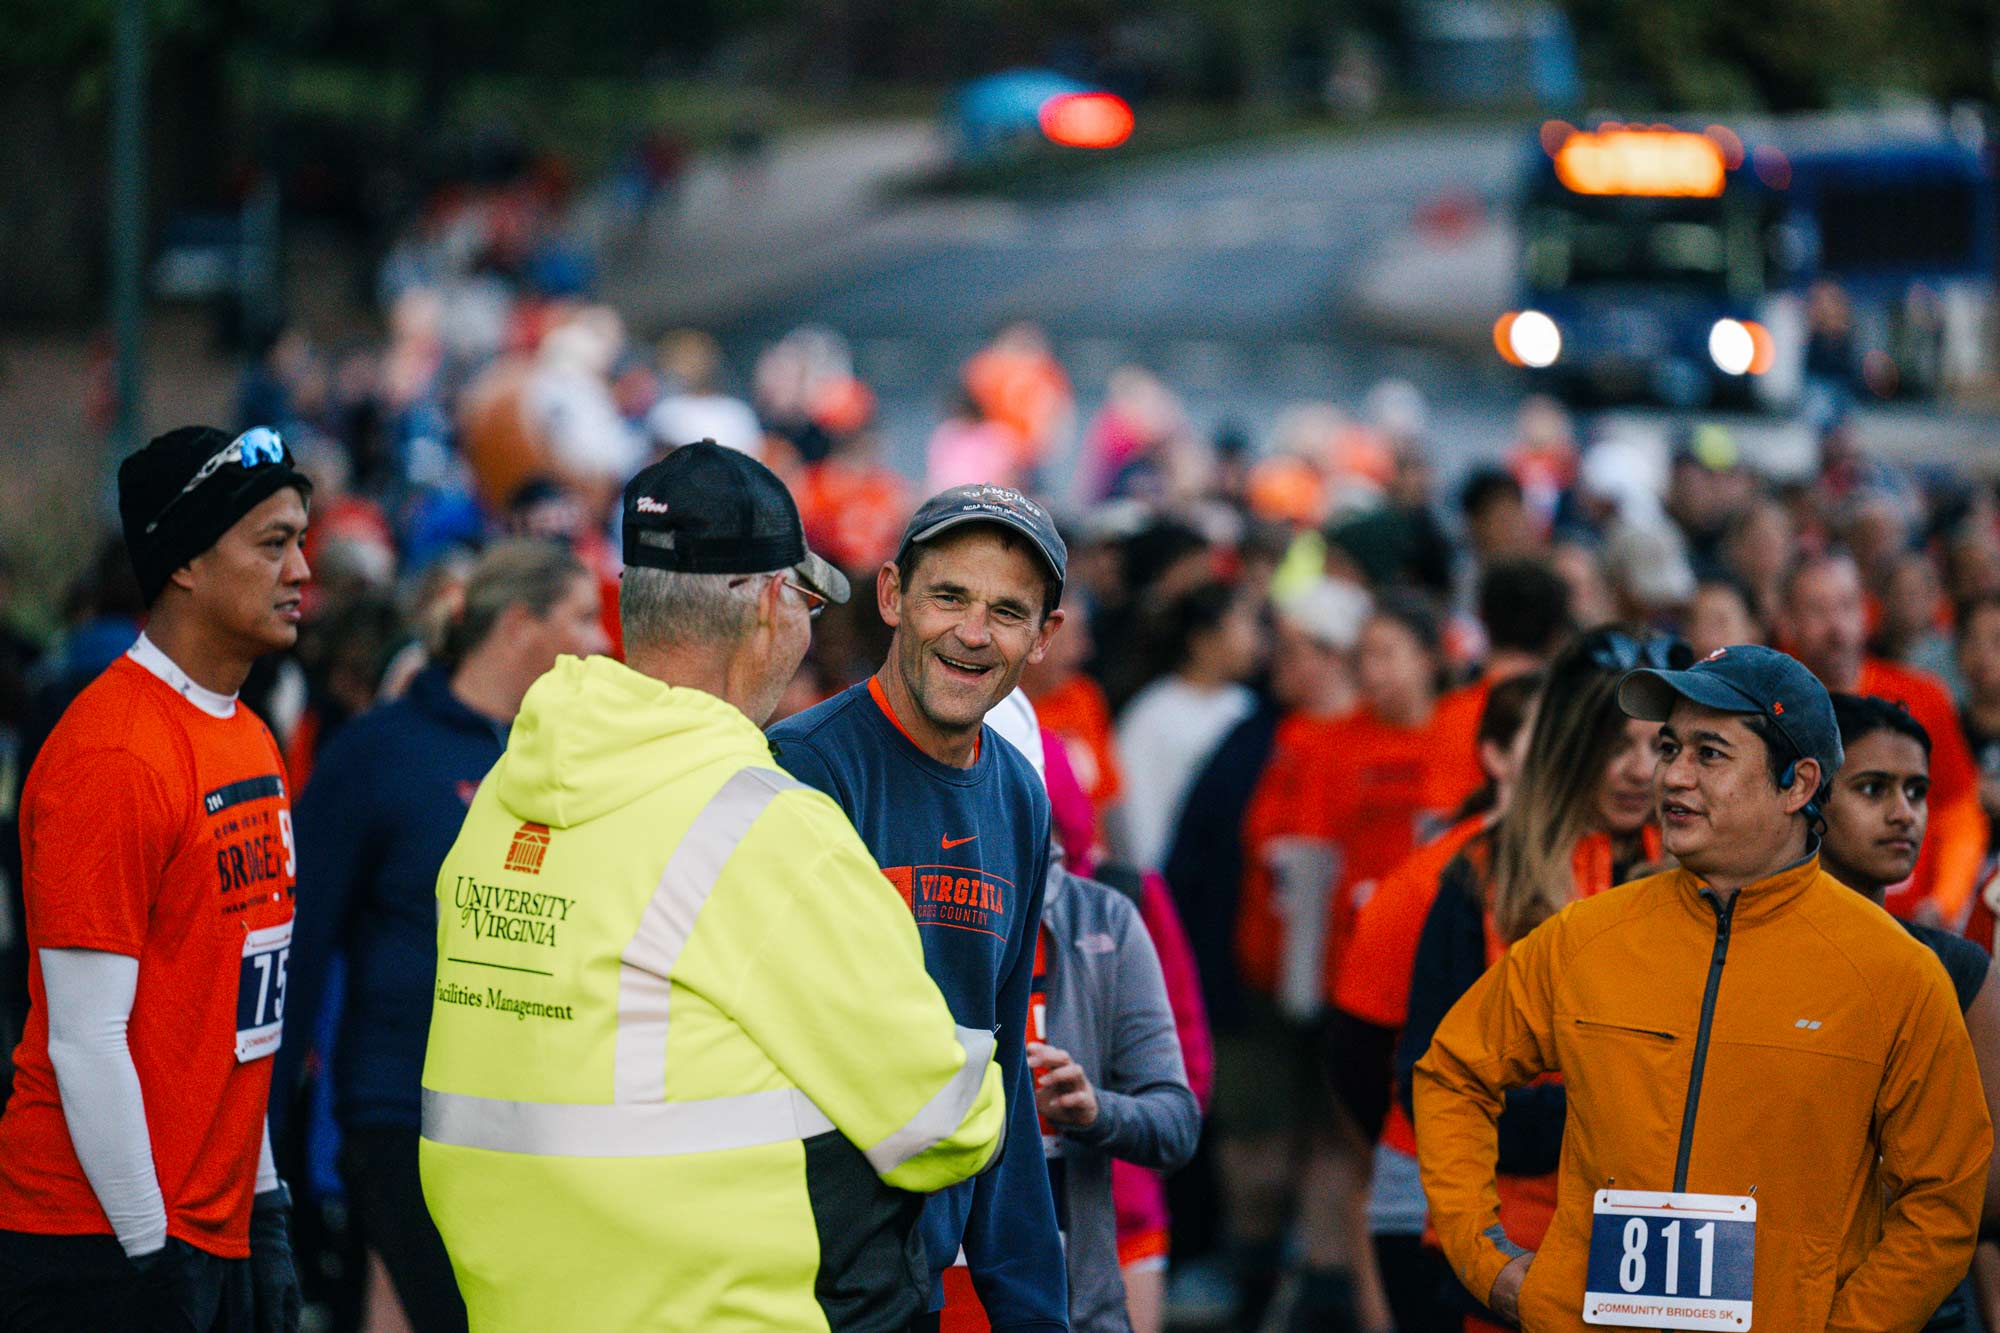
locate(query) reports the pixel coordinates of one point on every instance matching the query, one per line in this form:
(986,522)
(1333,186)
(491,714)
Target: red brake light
(1086,120)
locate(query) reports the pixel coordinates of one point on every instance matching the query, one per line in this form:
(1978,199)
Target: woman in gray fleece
(1109,1078)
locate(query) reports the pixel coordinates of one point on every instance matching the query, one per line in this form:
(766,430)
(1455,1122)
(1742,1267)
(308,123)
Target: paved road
(1239,276)
(1226,272)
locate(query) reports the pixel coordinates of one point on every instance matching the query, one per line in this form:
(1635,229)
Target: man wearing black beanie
(137,1190)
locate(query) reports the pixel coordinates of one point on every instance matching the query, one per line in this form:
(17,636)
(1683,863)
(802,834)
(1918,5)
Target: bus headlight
(1740,347)
(1529,338)
(1729,346)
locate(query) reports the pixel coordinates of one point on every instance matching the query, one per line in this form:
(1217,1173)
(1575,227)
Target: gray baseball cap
(989,504)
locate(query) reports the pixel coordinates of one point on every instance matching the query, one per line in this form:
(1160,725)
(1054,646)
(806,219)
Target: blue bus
(1690,266)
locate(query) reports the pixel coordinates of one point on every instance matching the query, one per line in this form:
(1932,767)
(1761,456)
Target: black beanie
(152,492)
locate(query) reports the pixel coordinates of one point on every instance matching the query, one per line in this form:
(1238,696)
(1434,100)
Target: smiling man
(137,1189)
(1775,1118)
(959,822)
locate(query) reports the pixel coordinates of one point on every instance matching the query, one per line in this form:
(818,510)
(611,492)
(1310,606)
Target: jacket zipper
(1724,914)
(1624,1027)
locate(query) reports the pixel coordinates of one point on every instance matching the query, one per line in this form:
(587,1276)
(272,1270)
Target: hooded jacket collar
(593,735)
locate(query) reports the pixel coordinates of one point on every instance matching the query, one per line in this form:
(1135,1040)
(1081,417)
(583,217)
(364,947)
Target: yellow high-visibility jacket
(686,1070)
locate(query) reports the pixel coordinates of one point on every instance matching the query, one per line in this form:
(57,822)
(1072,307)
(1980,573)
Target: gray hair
(668,608)
(521,570)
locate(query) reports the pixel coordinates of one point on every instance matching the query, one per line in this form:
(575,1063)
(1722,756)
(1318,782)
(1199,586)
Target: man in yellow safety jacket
(686,1069)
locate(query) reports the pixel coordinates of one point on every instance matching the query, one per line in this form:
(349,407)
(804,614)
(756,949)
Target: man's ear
(889,593)
(1805,785)
(768,598)
(1045,636)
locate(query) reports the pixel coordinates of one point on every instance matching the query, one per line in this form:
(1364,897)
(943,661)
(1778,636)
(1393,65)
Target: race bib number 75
(260,992)
(1671,1260)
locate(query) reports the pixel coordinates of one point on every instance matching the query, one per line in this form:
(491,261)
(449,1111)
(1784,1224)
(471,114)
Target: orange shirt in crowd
(1374,983)
(500,445)
(1024,389)
(1955,845)
(1374,978)
(152,829)
(853,514)
(1366,787)
(1455,734)
(1077,711)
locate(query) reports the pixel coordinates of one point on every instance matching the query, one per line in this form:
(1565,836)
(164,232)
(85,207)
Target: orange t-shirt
(853,516)
(1455,733)
(1077,712)
(1956,842)
(1024,391)
(1374,982)
(1374,978)
(1366,787)
(153,829)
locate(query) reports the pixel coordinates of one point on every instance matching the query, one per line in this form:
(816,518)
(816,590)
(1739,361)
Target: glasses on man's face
(253,448)
(815,602)
(1615,650)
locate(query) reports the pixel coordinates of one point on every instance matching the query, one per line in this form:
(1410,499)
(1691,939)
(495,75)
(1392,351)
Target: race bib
(1670,1260)
(260,992)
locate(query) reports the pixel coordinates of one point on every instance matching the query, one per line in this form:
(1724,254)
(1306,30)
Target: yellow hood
(593,734)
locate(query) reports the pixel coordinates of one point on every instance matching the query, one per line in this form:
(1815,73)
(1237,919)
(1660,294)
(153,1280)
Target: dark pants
(379,1167)
(85,1284)
(1417,1281)
(926,1323)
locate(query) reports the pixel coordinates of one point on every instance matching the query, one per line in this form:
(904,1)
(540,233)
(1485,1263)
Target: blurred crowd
(1292,657)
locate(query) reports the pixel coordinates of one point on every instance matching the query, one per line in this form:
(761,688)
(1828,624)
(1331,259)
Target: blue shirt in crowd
(968,850)
(381,810)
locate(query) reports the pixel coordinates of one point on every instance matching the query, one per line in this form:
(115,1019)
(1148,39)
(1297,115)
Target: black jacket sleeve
(1451,955)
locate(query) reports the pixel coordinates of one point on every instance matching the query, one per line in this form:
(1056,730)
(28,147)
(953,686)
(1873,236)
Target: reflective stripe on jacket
(684,1058)
(1795,1043)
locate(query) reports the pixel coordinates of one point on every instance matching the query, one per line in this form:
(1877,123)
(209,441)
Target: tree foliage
(1785,55)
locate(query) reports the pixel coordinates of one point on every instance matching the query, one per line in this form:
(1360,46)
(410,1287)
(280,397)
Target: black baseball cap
(980,503)
(1746,678)
(704,509)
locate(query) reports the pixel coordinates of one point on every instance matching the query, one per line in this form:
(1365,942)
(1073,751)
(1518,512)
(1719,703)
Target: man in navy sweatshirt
(959,822)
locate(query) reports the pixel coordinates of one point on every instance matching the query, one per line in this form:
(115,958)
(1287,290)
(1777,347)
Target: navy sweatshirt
(968,849)
(381,810)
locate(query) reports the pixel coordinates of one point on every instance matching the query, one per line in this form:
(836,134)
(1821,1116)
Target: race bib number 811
(260,992)
(1671,1260)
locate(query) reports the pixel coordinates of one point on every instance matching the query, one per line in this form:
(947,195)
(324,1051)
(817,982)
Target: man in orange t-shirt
(1825,627)
(1525,607)
(136,1179)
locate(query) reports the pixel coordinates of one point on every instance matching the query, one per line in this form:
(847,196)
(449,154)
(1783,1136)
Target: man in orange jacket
(1775,1117)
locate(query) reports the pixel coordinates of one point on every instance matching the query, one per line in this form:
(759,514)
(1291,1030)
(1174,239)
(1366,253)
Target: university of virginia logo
(531,844)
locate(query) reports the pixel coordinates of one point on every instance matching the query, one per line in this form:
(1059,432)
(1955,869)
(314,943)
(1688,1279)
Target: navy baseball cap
(1745,678)
(704,509)
(989,504)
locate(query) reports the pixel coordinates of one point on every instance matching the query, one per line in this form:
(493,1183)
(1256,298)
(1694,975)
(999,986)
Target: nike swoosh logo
(950,843)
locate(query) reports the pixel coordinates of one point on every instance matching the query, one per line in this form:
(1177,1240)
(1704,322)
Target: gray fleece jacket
(1107,1006)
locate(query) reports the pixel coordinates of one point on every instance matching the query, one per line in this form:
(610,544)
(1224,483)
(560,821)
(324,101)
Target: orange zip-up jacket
(1796,1042)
